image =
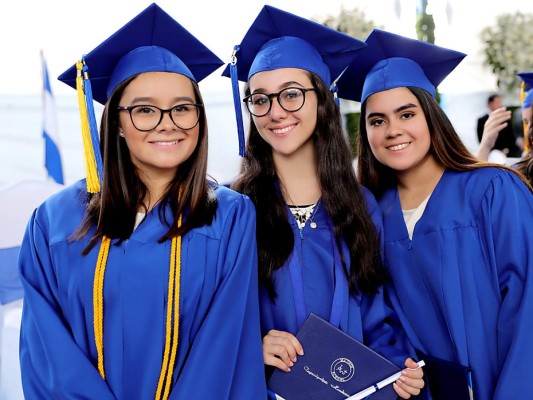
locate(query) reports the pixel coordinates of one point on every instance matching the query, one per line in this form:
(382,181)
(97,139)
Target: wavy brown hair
(113,210)
(344,203)
(446,147)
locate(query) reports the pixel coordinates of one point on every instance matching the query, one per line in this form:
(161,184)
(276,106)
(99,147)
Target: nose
(276,110)
(393,130)
(166,122)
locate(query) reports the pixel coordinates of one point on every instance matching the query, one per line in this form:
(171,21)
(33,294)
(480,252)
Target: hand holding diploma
(281,349)
(407,382)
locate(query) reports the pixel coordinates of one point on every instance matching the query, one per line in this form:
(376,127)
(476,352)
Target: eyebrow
(396,111)
(137,100)
(281,87)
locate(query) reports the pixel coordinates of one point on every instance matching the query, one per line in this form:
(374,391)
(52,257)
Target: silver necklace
(312,223)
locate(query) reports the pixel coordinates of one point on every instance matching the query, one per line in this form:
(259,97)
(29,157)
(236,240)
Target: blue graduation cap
(390,61)
(278,39)
(527,78)
(151,42)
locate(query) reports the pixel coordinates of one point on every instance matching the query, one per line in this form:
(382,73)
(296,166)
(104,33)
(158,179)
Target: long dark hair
(446,147)
(345,202)
(114,209)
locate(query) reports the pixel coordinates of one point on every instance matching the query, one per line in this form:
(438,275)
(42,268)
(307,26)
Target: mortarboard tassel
(334,89)
(92,120)
(91,150)
(524,124)
(237,99)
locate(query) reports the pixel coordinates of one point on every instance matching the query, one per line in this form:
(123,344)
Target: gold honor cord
(98,302)
(172,320)
(172,329)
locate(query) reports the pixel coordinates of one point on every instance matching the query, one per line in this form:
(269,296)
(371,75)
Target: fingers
(411,381)
(501,112)
(495,123)
(499,116)
(406,387)
(410,363)
(497,120)
(280,349)
(274,361)
(402,393)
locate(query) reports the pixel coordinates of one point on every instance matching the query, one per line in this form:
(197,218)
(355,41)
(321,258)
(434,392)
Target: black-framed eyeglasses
(146,118)
(290,99)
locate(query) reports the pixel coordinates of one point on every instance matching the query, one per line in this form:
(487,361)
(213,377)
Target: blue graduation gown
(464,283)
(368,319)
(219,352)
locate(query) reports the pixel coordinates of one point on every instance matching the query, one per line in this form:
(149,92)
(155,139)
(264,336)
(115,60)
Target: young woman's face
(397,129)
(157,149)
(286,131)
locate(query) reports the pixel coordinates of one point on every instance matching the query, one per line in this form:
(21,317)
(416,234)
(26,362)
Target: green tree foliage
(425,28)
(352,127)
(352,22)
(508,48)
(425,31)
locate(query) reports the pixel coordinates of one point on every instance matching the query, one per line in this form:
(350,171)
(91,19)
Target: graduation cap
(390,61)
(151,42)
(527,78)
(278,39)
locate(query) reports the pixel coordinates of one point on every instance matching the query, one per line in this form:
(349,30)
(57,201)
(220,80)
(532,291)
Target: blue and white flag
(50,133)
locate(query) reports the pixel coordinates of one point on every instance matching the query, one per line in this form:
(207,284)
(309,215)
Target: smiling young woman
(128,283)
(457,231)
(161,146)
(318,230)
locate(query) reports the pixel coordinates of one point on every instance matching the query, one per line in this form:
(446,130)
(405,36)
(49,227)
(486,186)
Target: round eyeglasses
(146,118)
(290,99)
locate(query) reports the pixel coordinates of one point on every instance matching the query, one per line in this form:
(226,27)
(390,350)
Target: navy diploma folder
(334,367)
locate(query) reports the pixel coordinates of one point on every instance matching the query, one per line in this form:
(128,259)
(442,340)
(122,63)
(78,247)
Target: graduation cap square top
(390,61)
(279,39)
(527,77)
(151,42)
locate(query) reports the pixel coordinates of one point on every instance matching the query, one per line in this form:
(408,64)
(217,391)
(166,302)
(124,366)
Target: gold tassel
(93,183)
(524,124)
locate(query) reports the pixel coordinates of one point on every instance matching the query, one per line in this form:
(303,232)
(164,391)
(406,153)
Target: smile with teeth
(281,131)
(167,143)
(398,146)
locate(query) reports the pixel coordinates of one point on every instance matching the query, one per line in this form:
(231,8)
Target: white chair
(10,383)
(17,202)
